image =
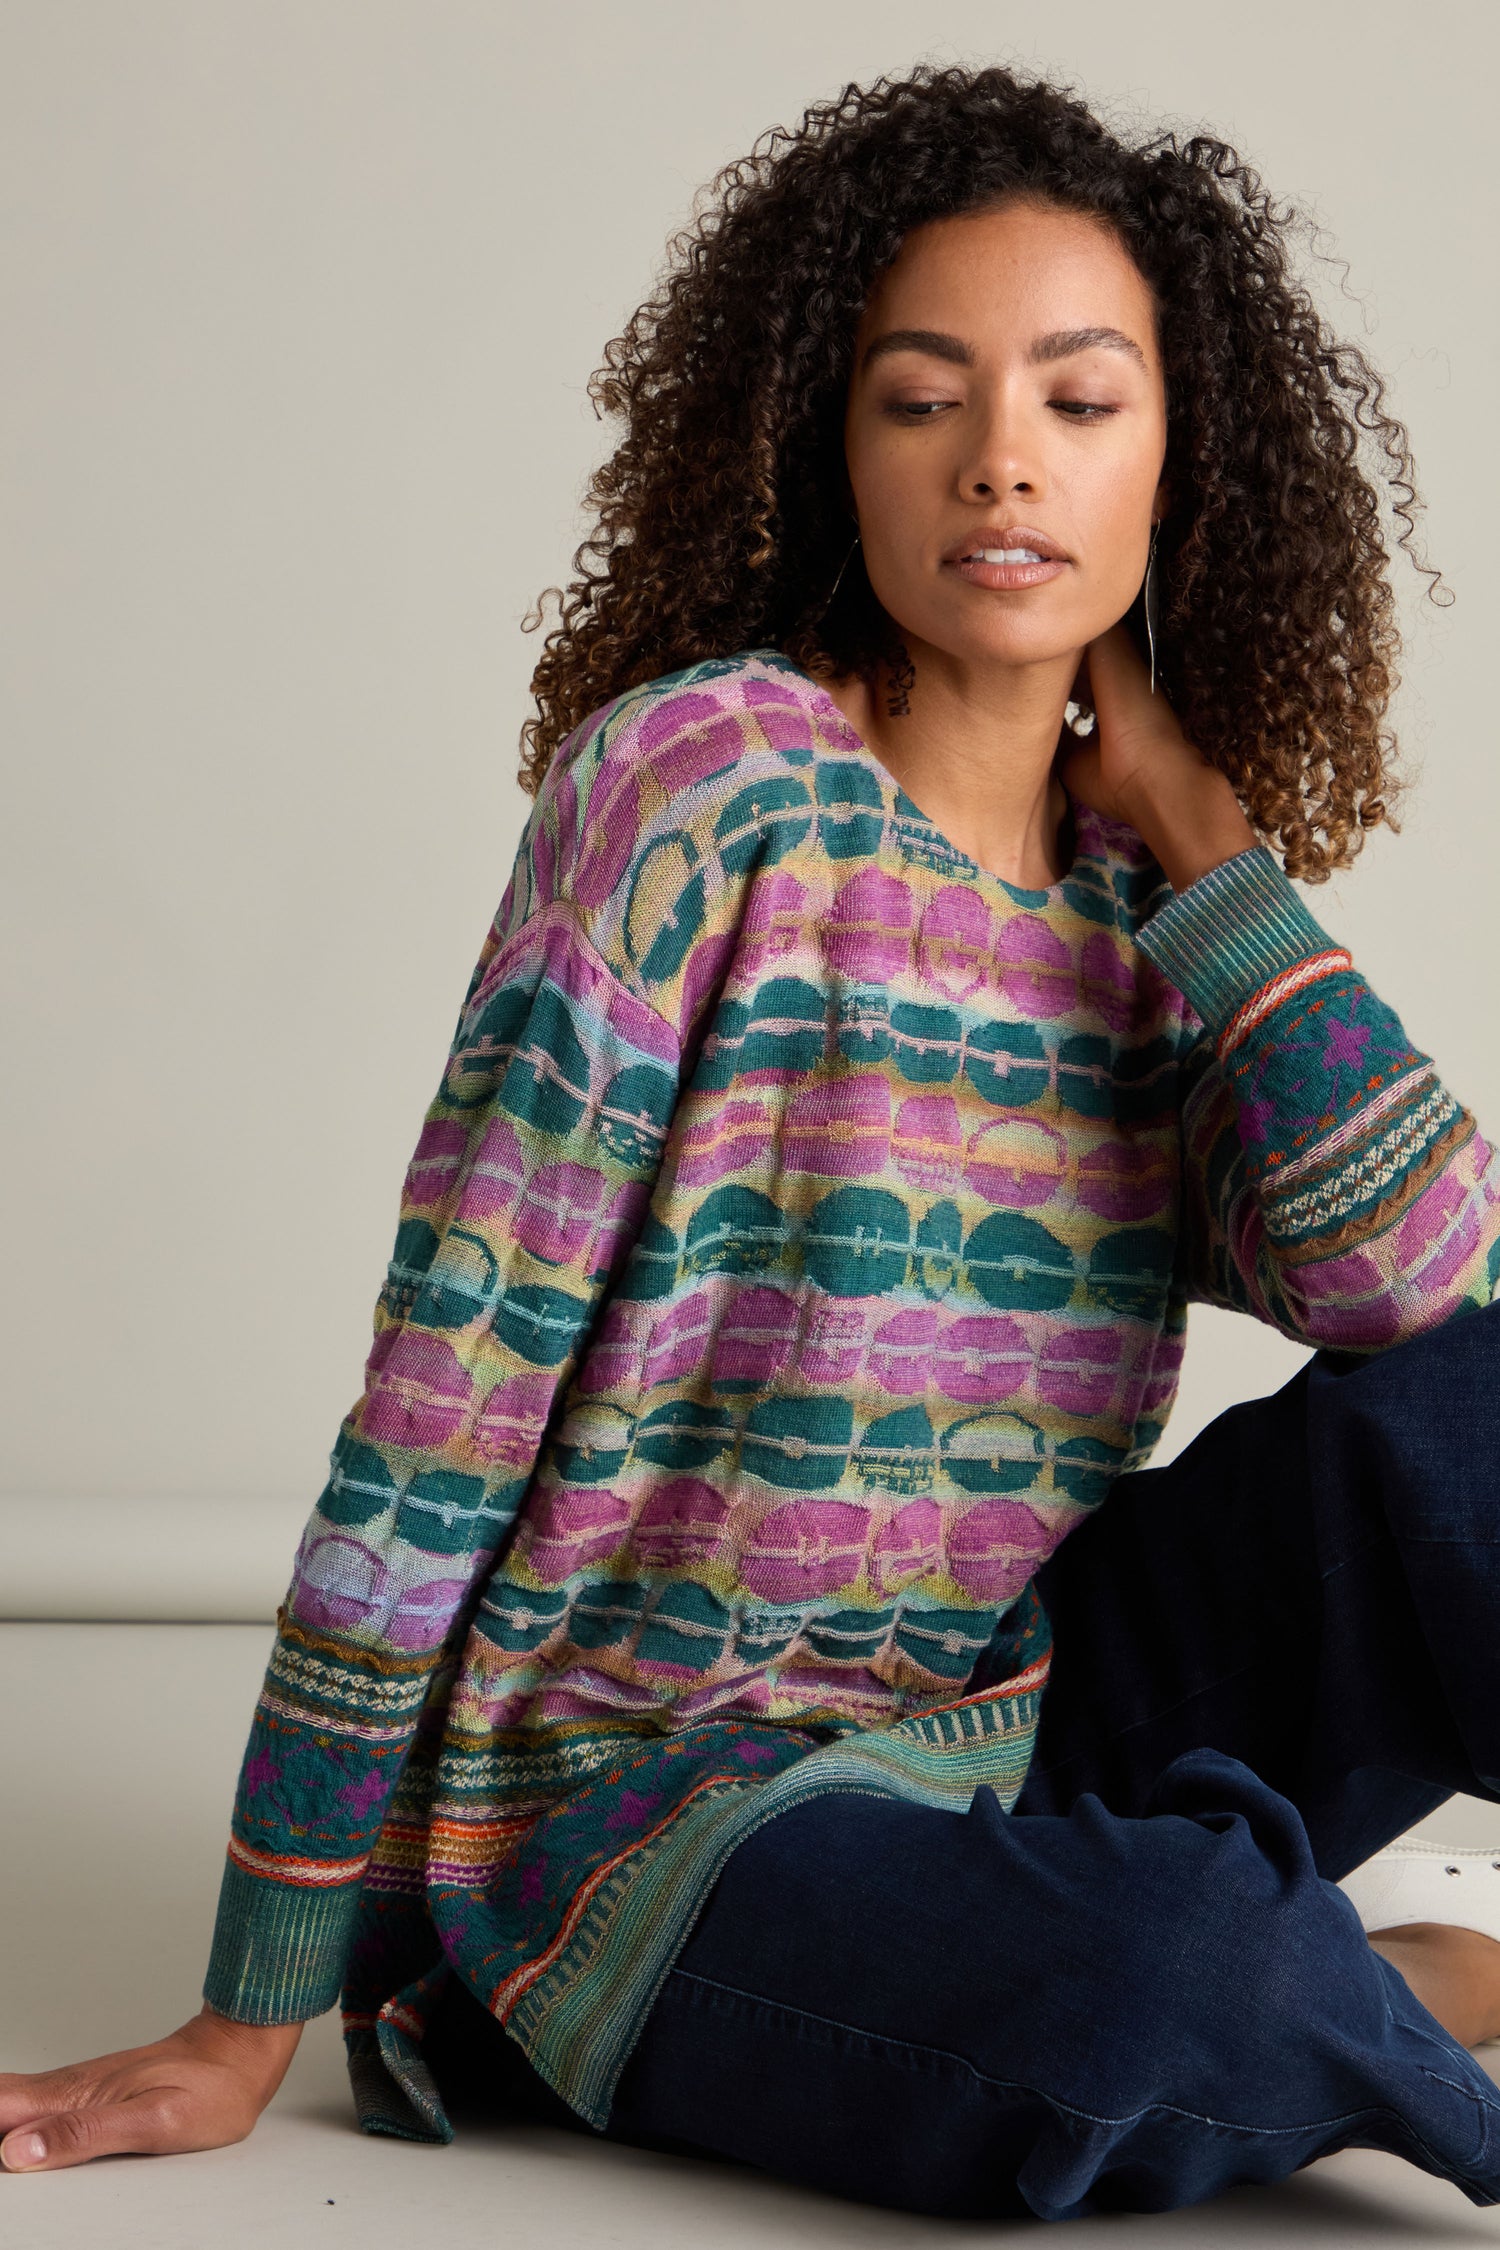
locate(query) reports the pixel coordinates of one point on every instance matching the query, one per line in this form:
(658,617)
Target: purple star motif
(360,1795)
(531,1883)
(1256,1120)
(634,1811)
(261,1771)
(1347,1043)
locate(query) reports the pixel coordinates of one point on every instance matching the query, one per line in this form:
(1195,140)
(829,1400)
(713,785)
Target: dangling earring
(1149,602)
(843,566)
(903,673)
(1079,717)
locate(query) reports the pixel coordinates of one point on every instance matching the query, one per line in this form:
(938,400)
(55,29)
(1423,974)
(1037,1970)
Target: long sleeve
(1333,1186)
(521,1204)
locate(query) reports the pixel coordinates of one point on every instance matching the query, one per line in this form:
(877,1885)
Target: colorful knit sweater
(797,1247)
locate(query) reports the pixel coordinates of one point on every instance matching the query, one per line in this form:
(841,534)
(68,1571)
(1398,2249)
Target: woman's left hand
(1139,767)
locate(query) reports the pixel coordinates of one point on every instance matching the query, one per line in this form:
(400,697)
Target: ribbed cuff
(1230,933)
(278,1949)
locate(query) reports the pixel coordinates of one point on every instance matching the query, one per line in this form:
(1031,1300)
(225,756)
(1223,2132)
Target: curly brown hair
(722,513)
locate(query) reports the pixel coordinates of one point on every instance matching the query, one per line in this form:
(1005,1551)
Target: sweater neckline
(1081,819)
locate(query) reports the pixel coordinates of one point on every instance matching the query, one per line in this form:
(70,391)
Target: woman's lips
(1003,576)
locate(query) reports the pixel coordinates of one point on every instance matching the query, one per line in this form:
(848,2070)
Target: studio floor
(118,1757)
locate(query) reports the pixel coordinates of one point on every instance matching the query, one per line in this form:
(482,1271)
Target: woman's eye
(928,409)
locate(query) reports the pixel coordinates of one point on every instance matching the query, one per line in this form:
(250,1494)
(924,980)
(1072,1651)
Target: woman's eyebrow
(1063,342)
(934,341)
(1059,343)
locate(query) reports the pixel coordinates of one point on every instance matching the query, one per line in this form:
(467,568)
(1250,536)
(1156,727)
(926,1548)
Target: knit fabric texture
(796,1249)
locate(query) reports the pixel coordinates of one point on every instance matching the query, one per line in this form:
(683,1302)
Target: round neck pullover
(797,1248)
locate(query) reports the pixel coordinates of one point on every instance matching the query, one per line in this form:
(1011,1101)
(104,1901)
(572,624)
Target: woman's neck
(976,753)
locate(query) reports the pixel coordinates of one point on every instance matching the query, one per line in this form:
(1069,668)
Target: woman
(740,1690)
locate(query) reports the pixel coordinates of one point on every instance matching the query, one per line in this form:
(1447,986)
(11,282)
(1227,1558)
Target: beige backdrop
(301,297)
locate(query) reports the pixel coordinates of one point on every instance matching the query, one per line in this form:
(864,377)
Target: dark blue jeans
(1142,1986)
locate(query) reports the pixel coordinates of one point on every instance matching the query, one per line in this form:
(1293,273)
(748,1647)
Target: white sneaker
(1414,1881)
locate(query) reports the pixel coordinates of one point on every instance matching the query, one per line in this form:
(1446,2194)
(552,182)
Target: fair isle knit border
(578,2028)
(356,1729)
(1361,1197)
(306,1874)
(1270,996)
(1402,1094)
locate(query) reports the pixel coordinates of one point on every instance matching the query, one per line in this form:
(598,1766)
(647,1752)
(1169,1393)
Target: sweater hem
(578,2027)
(579,2016)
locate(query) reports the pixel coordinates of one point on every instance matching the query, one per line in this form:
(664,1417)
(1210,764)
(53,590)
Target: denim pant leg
(988,2014)
(1313,1586)
(1142,1986)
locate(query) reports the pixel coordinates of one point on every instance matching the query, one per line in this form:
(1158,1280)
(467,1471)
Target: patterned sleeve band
(1284,987)
(1335,1188)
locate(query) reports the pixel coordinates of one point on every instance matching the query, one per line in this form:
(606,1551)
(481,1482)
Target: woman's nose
(1006,459)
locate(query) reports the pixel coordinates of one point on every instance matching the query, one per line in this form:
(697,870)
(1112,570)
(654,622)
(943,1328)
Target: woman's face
(1007,394)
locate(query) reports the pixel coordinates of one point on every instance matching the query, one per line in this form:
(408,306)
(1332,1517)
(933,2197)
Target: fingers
(1116,669)
(25,2095)
(1129,714)
(1080,770)
(148,2125)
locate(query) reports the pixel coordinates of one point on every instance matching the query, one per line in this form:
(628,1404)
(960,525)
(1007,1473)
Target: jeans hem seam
(1070,2109)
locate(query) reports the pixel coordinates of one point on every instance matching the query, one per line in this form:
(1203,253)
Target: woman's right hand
(200,2087)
